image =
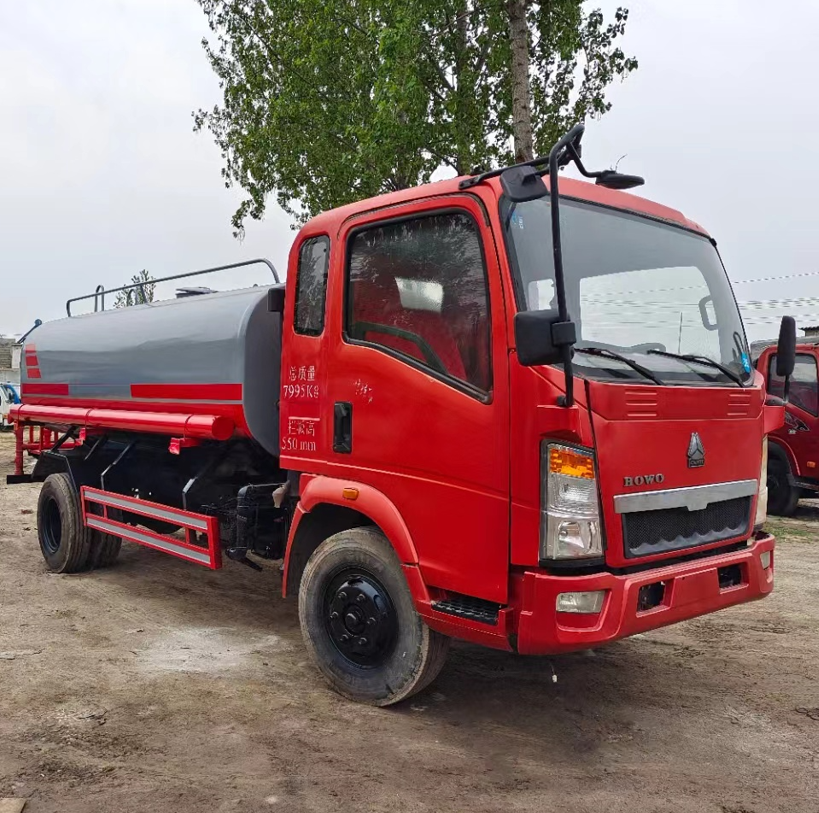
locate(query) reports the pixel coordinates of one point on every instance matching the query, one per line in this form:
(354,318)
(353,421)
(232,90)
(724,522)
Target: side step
(475,609)
(98,507)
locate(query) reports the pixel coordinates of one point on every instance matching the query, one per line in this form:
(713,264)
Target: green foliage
(137,296)
(330,101)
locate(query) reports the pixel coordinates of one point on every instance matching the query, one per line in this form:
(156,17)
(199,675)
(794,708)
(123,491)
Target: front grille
(649,532)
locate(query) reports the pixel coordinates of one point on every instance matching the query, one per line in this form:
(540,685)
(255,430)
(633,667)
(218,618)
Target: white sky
(101,174)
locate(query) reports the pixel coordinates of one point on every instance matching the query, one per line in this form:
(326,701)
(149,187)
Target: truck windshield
(633,285)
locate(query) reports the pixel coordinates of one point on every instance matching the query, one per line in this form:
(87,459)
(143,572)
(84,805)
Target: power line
(733,282)
(775,279)
(796,302)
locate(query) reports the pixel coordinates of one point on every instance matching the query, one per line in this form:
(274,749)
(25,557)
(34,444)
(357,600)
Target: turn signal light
(563,460)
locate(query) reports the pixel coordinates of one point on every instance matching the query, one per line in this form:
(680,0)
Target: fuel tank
(215,354)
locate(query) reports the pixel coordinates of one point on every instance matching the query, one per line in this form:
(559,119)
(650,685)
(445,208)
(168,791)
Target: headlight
(762,496)
(569,514)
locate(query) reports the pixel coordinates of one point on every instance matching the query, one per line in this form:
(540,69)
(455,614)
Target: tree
(137,296)
(329,101)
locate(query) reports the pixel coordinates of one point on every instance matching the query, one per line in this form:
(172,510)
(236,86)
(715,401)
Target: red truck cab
(518,415)
(793,450)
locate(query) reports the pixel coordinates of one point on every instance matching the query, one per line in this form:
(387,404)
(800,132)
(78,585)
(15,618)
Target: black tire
(104,550)
(782,496)
(400,655)
(64,541)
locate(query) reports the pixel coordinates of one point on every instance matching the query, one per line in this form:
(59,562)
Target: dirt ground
(157,685)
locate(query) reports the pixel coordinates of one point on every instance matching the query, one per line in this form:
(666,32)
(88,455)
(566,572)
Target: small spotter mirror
(523,183)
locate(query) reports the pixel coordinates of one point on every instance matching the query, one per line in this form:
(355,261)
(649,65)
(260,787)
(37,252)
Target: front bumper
(690,589)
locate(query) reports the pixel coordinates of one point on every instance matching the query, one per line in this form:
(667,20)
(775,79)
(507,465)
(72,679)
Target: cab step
(475,609)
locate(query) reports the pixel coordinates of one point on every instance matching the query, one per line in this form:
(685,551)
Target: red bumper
(691,589)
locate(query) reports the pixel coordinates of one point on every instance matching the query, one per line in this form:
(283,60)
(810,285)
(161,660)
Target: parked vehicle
(793,452)
(441,427)
(8,397)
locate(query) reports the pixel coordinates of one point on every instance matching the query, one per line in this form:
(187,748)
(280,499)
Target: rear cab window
(311,286)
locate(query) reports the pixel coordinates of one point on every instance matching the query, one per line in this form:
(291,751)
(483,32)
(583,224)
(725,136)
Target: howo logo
(643,480)
(696,452)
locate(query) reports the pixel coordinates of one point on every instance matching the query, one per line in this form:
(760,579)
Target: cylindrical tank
(215,354)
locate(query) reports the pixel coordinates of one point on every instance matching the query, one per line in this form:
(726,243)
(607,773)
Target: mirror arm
(574,154)
(561,333)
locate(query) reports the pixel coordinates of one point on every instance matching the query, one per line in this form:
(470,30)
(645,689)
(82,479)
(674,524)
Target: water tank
(212,354)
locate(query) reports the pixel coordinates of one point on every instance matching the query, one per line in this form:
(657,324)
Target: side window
(803,390)
(418,288)
(311,286)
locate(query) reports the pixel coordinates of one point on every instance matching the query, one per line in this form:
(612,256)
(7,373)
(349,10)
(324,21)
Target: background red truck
(793,451)
(441,428)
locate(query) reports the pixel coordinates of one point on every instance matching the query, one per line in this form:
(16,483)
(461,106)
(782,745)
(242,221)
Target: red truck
(793,451)
(441,426)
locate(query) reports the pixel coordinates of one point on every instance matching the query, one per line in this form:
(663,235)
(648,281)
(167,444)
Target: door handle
(343,427)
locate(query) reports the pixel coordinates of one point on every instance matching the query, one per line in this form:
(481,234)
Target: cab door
(799,433)
(418,388)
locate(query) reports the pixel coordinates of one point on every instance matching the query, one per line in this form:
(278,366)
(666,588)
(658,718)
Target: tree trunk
(521,104)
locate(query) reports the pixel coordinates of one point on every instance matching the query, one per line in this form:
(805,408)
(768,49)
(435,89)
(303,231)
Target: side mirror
(786,348)
(523,183)
(618,180)
(539,337)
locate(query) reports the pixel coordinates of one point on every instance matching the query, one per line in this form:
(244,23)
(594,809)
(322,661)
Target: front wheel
(359,621)
(782,496)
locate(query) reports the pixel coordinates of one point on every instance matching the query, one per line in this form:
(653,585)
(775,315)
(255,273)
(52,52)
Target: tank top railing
(99,298)
(99,294)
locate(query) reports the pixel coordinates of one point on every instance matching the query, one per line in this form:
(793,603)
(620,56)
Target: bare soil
(156,685)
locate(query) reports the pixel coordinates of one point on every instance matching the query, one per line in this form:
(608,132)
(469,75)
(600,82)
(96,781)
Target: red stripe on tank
(185,392)
(44,389)
(33,372)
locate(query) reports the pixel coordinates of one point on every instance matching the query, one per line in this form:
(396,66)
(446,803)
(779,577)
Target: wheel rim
(360,618)
(52,527)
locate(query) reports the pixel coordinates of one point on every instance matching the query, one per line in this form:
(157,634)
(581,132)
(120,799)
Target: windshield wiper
(604,352)
(727,371)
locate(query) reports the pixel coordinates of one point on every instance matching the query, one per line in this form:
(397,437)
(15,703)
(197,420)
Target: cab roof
(569,188)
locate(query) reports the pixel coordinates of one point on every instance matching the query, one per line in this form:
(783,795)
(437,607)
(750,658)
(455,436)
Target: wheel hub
(360,618)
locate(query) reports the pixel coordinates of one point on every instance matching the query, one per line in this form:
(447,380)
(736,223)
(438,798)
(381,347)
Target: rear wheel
(359,621)
(782,496)
(64,541)
(104,550)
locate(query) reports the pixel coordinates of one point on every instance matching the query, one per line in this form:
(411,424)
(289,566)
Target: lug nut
(361,598)
(362,642)
(333,615)
(370,621)
(345,637)
(342,596)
